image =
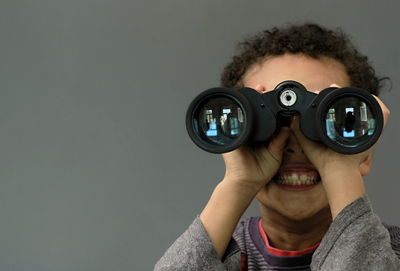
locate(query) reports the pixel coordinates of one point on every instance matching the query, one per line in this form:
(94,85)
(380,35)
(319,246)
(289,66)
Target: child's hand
(325,159)
(340,173)
(254,167)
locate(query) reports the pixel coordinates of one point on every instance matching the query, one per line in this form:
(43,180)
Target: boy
(314,211)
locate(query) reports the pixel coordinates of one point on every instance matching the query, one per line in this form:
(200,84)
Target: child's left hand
(340,173)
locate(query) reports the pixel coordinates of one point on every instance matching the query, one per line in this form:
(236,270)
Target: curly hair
(309,39)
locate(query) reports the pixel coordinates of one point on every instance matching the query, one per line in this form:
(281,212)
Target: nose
(293,147)
(293,152)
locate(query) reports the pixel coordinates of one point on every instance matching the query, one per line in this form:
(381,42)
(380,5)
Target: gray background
(96,169)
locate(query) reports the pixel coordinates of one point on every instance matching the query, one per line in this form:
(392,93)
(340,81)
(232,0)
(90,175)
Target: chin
(303,214)
(294,205)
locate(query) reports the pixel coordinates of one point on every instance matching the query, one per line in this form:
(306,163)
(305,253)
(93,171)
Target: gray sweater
(356,240)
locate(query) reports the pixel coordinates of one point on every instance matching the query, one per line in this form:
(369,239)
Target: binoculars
(347,120)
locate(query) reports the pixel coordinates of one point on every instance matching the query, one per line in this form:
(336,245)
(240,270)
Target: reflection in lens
(350,122)
(220,120)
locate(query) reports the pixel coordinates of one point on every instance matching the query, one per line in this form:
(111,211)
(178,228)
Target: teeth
(296,179)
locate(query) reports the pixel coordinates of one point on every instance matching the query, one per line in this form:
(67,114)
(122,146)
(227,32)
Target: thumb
(306,144)
(276,146)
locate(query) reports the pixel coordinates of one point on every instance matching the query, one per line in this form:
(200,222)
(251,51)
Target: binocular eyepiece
(347,120)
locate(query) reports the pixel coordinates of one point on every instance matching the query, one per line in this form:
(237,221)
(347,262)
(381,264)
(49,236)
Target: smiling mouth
(297,178)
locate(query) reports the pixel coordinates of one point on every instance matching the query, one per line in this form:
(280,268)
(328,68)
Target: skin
(294,219)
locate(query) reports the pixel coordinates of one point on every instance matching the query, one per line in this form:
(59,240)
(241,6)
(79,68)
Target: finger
(306,144)
(276,146)
(385,110)
(242,151)
(260,88)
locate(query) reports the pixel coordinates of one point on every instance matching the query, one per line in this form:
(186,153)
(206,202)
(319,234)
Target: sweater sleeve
(193,250)
(356,240)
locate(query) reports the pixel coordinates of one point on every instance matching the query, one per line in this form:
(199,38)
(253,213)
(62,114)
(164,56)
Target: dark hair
(309,39)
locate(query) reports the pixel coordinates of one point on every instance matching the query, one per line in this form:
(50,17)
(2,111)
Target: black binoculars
(347,120)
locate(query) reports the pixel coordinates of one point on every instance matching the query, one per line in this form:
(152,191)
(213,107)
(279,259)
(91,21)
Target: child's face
(292,201)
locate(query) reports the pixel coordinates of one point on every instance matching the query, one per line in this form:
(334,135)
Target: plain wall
(96,169)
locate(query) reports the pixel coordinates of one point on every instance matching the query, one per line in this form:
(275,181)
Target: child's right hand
(253,168)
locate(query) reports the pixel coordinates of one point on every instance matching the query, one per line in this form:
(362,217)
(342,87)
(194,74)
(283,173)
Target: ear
(365,166)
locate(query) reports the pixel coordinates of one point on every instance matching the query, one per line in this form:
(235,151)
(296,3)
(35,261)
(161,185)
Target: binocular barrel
(348,120)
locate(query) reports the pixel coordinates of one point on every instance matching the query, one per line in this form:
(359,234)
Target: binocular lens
(219,120)
(350,122)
